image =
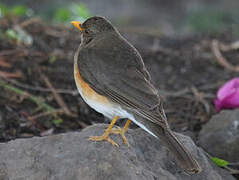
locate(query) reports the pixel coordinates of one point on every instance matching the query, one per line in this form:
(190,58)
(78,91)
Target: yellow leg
(105,136)
(122,131)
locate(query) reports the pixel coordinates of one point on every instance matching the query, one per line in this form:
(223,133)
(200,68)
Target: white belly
(111,111)
(108,110)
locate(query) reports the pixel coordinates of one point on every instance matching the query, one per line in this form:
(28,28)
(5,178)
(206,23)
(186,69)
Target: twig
(220,59)
(187,90)
(47,132)
(232,46)
(55,33)
(32,120)
(48,30)
(174,94)
(30,21)
(9,52)
(3,63)
(41,104)
(211,86)
(16,74)
(201,99)
(232,171)
(57,96)
(56,111)
(36,88)
(33,98)
(82,124)
(234,165)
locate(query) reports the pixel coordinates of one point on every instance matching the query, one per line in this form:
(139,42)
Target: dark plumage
(113,68)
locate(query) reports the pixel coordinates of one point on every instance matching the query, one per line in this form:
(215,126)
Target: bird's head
(93,27)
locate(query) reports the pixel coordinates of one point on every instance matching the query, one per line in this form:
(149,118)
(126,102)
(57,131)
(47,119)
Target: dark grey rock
(220,136)
(72,156)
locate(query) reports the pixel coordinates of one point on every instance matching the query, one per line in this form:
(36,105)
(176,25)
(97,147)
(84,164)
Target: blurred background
(170,17)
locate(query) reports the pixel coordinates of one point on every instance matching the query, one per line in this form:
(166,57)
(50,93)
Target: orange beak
(77,24)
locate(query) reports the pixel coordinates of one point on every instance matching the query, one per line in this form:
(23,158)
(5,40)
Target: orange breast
(86,91)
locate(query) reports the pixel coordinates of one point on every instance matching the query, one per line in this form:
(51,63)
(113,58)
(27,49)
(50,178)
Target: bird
(111,77)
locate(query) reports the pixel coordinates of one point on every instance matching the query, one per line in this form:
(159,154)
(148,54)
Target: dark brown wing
(115,69)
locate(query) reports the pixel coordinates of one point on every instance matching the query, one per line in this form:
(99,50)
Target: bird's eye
(86,31)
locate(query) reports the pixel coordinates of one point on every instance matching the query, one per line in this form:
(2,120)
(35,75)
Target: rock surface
(72,156)
(220,136)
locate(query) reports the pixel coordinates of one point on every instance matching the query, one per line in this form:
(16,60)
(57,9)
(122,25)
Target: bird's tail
(169,139)
(184,157)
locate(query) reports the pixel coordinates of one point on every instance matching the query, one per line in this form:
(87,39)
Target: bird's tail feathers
(183,156)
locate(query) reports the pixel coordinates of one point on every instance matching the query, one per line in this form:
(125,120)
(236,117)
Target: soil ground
(38,95)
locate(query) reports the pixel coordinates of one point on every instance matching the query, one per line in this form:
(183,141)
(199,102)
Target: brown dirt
(185,70)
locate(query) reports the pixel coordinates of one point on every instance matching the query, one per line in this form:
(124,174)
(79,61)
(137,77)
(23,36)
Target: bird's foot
(120,131)
(104,137)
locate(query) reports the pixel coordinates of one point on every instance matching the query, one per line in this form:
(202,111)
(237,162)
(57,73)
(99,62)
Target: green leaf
(3,10)
(52,59)
(219,162)
(82,11)
(19,10)
(20,35)
(207,20)
(62,15)
(11,34)
(57,121)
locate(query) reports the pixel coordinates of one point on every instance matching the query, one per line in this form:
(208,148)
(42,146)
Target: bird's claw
(103,138)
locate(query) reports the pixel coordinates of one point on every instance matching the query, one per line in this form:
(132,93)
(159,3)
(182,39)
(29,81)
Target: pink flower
(228,95)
